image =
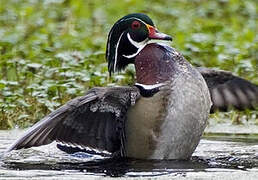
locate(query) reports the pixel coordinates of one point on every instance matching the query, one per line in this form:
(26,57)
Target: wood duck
(162,116)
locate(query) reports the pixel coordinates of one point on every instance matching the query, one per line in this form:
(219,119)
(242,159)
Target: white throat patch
(138,45)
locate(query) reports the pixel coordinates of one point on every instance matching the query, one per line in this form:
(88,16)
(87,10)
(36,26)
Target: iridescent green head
(127,38)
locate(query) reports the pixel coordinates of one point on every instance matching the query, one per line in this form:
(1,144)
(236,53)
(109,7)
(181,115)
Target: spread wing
(228,90)
(95,121)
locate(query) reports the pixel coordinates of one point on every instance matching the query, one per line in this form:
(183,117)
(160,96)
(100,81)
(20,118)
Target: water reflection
(211,155)
(132,167)
(117,167)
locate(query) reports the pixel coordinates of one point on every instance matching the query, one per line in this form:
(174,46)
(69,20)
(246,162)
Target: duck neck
(154,65)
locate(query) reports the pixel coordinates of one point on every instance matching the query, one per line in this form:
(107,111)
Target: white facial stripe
(141,44)
(132,55)
(138,45)
(149,87)
(117,45)
(111,32)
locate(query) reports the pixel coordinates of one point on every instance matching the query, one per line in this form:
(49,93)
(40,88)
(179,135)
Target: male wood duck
(162,116)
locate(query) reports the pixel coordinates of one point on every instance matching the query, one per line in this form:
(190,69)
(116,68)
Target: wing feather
(228,90)
(93,121)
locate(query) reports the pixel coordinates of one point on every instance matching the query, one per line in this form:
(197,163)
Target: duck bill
(155,34)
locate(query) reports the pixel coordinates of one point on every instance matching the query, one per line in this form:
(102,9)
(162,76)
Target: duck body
(161,117)
(164,130)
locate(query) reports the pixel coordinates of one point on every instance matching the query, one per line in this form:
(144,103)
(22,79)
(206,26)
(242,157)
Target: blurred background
(54,50)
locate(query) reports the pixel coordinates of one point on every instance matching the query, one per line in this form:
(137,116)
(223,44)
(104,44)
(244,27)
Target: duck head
(127,38)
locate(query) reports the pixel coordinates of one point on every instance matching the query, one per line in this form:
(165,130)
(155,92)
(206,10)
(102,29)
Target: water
(213,159)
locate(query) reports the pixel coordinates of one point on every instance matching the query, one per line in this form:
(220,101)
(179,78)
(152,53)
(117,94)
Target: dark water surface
(213,159)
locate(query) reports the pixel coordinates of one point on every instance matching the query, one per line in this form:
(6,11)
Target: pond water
(235,158)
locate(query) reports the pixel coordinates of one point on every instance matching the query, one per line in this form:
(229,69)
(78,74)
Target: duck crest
(121,48)
(127,38)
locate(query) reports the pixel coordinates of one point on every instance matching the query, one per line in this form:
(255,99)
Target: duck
(162,116)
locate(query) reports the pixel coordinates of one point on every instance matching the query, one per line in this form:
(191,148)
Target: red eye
(136,25)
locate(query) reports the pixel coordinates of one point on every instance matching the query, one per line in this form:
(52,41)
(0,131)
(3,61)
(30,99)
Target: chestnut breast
(154,64)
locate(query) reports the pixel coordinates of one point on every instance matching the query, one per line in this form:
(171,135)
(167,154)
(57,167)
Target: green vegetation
(54,50)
